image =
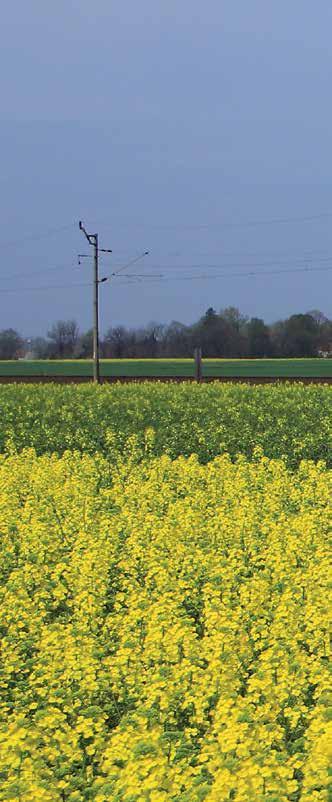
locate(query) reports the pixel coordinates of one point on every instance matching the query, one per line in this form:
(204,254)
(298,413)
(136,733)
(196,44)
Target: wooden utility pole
(96,372)
(93,240)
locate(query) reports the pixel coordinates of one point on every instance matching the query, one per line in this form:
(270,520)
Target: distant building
(326,354)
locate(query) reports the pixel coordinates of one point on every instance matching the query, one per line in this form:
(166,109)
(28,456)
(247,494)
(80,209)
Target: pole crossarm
(90,237)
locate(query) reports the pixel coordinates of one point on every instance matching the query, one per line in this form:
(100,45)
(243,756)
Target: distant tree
(236,343)
(209,334)
(116,343)
(149,340)
(11,344)
(298,336)
(224,334)
(259,340)
(221,335)
(234,317)
(276,330)
(324,330)
(318,316)
(84,345)
(64,336)
(176,340)
(40,348)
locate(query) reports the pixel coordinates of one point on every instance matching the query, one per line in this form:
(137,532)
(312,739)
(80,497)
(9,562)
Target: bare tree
(64,336)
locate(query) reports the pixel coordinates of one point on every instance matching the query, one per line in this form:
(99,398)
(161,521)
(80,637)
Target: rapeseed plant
(164,628)
(289,421)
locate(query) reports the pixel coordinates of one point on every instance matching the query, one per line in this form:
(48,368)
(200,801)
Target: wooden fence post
(198,364)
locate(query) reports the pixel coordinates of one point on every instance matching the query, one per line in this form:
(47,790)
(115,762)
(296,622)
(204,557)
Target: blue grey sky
(176,126)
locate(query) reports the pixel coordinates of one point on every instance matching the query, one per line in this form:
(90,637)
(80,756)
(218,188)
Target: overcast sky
(177,126)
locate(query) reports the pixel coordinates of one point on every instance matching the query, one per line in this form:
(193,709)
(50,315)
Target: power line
(40,272)
(36,237)
(251,254)
(142,278)
(54,269)
(5,290)
(137,275)
(132,262)
(190,266)
(229,266)
(229,224)
(209,276)
(278,255)
(50,232)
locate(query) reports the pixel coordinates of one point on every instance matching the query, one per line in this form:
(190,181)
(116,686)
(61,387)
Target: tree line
(226,333)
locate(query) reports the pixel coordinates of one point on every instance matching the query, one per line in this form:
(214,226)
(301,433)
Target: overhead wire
(5,290)
(132,262)
(190,266)
(231,265)
(209,276)
(48,269)
(50,232)
(251,254)
(36,237)
(305,261)
(54,269)
(154,278)
(224,224)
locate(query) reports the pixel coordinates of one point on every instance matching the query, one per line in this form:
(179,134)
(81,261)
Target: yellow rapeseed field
(289,421)
(164,629)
